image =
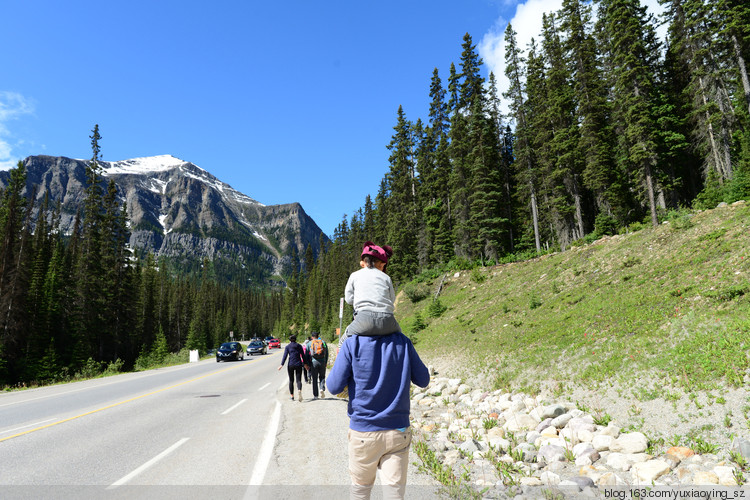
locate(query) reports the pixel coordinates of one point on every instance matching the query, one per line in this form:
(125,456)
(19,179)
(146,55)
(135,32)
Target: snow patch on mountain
(146,165)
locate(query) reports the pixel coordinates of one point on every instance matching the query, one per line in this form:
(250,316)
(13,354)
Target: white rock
(550,431)
(499,443)
(585,436)
(705,477)
(610,430)
(534,413)
(451,457)
(531,481)
(562,420)
(610,479)
(601,442)
(569,435)
(648,472)
(725,475)
(551,453)
(633,442)
(582,448)
(520,421)
(496,432)
(549,478)
(618,461)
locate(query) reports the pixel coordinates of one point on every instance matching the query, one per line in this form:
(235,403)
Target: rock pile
(500,442)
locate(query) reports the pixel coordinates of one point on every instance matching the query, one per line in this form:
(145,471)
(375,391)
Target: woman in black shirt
(295,366)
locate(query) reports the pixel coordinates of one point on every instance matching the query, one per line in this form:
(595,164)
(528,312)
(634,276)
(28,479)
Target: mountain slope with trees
(608,128)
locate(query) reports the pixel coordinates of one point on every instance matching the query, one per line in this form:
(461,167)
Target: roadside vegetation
(672,300)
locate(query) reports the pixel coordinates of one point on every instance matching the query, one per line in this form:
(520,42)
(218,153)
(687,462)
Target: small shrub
(416,291)
(730,293)
(477,275)
(680,220)
(114,367)
(435,309)
(90,369)
(702,447)
(602,420)
(534,302)
(630,262)
(418,323)
(489,423)
(636,226)
(604,225)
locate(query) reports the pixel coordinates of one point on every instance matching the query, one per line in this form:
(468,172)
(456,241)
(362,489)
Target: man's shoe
(323,394)
(300,396)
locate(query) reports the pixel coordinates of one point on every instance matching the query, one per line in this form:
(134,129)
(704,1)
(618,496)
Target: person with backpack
(318,352)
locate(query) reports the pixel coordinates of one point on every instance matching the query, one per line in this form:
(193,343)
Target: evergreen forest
(603,128)
(608,130)
(82,304)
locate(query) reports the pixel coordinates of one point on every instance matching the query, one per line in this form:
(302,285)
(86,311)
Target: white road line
(233,407)
(30,425)
(148,464)
(264,386)
(266,448)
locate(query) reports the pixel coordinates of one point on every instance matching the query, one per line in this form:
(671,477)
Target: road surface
(199,430)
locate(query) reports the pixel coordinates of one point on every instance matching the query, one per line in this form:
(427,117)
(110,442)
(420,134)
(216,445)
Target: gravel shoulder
(310,457)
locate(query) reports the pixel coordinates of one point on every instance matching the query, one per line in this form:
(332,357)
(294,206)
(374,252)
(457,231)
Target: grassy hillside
(670,302)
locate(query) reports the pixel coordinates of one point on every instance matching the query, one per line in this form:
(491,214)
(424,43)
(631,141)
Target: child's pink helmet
(380,253)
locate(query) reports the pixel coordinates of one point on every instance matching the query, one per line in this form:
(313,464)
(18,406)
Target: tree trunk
(743,70)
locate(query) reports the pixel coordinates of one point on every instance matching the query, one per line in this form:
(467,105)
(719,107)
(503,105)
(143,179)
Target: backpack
(317,348)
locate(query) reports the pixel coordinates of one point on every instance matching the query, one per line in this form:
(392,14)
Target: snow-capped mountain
(179,211)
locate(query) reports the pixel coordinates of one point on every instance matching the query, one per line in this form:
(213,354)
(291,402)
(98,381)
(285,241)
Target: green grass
(673,299)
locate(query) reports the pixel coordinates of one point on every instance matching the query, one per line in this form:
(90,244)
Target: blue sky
(285,101)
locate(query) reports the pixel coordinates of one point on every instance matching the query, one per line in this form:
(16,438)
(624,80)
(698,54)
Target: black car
(256,347)
(230,351)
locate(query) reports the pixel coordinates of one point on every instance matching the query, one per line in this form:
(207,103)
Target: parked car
(274,343)
(256,347)
(230,351)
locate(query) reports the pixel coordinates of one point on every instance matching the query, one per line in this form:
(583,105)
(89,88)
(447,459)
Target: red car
(274,343)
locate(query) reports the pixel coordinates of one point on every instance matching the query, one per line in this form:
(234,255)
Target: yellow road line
(117,404)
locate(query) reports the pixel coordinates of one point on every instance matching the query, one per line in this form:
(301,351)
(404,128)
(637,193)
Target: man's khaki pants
(384,450)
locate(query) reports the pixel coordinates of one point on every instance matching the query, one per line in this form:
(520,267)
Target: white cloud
(527,23)
(12,106)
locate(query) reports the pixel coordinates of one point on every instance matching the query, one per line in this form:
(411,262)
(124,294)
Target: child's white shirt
(370,289)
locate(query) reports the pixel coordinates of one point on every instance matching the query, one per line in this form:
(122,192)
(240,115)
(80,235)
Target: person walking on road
(296,364)
(306,351)
(378,371)
(318,352)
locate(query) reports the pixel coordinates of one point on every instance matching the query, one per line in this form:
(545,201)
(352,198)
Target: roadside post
(341,313)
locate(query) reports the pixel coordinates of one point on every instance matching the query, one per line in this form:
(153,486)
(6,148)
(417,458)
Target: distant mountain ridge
(183,213)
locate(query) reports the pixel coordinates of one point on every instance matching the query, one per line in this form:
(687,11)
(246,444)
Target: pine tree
(608,185)
(632,49)
(401,205)
(514,69)
(14,216)
(565,161)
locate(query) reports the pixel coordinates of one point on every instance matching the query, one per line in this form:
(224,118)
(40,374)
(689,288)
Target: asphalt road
(200,430)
